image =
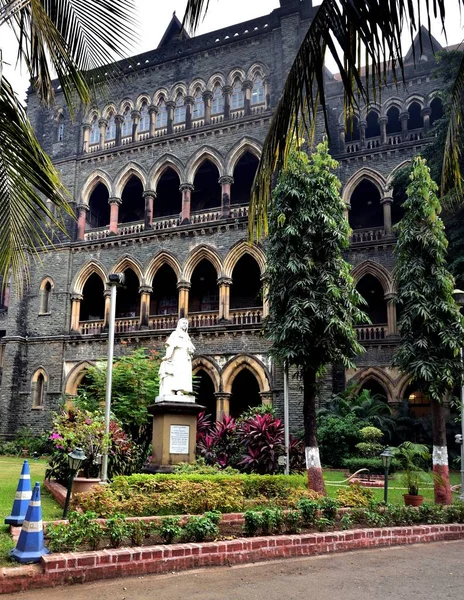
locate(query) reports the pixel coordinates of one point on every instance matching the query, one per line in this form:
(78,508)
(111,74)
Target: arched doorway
(164,298)
(133,204)
(366,210)
(207,191)
(371,290)
(204,292)
(204,390)
(393,123)
(168,201)
(245,393)
(415,120)
(245,291)
(128,297)
(375,388)
(372,125)
(93,302)
(244,174)
(99,208)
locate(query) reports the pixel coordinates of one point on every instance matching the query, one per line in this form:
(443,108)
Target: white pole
(462,433)
(109,381)
(286,422)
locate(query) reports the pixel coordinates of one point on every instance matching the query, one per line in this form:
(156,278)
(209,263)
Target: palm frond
(27,175)
(194,10)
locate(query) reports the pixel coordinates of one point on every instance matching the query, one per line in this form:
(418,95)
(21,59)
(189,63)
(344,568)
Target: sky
(154,16)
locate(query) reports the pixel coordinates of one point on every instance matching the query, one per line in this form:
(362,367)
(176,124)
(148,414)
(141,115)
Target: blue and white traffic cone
(30,546)
(22,498)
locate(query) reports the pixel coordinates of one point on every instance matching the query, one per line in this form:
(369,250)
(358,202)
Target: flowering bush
(75,428)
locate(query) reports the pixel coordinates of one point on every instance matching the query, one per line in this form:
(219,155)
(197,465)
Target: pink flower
(88,422)
(55,436)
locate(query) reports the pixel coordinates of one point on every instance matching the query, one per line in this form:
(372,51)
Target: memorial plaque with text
(179,439)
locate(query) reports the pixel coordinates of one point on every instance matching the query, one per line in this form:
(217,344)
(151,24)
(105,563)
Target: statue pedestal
(174,432)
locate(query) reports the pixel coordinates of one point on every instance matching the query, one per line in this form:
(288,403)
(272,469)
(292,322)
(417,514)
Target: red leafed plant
(263,438)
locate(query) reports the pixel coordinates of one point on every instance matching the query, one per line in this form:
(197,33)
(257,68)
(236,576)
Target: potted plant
(413,457)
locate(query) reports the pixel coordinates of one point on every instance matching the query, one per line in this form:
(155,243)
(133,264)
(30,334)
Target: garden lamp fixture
(459,298)
(75,460)
(386,457)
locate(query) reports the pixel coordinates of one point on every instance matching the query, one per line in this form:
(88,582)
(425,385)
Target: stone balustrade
(246,316)
(129,228)
(91,327)
(372,234)
(163,321)
(203,319)
(126,325)
(371,333)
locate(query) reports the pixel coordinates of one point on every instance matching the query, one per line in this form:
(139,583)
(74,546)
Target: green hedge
(373,464)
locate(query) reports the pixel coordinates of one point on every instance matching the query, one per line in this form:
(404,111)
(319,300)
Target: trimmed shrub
(355,495)
(373,464)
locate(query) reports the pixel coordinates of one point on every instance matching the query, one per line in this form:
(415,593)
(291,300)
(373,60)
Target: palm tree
(356,33)
(72,38)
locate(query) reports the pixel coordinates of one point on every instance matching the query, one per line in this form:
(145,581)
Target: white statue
(176,367)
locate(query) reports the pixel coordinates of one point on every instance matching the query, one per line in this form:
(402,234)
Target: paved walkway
(426,572)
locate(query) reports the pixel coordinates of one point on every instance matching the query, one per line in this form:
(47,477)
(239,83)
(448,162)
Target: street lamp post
(115,280)
(386,457)
(459,297)
(75,460)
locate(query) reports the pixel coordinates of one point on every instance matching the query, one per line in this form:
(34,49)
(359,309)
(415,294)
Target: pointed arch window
(126,129)
(162,115)
(238,97)
(198,106)
(257,94)
(179,111)
(94,132)
(45,297)
(111,128)
(38,390)
(60,131)
(217,105)
(144,124)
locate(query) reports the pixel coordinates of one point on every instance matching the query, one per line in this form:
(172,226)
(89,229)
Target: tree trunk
(313,461)
(442,487)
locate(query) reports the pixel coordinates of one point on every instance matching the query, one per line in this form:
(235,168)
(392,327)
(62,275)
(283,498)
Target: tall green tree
(430,324)
(313,302)
(74,39)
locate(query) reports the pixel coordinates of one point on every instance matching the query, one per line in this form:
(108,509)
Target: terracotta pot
(411,500)
(82,484)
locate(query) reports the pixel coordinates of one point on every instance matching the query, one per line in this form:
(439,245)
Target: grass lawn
(10,469)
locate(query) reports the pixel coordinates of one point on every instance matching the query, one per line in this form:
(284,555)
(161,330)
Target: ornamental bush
(373,464)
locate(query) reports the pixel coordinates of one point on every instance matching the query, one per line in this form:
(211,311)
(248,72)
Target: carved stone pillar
(226,92)
(268,95)
(145,292)
(404,116)
(149,196)
(341,138)
(188,101)
(183,287)
(265,292)
(266,398)
(135,114)
(391,313)
(86,137)
(186,189)
(119,120)
(425,113)
(225,183)
(102,124)
(170,105)
(247,86)
(114,203)
(346,212)
(76,300)
(362,133)
(387,215)
(152,111)
(222,405)
(383,129)
(81,216)
(207,97)
(224,284)
(106,317)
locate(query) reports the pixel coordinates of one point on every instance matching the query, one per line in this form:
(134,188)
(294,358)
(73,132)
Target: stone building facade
(159,172)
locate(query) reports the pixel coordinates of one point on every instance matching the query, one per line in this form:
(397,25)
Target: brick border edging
(81,567)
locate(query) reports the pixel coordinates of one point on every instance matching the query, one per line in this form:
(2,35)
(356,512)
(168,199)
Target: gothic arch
(164,162)
(96,177)
(109,108)
(160,95)
(210,366)
(162,258)
(75,376)
(419,98)
(372,107)
(389,103)
(178,88)
(39,371)
(238,150)
(125,174)
(369,267)
(195,161)
(195,85)
(245,361)
(216,79)
(85,272)
(45,280)
(377,375)
(91,114)
(402,386)
(129,262)
(434,94)
(342,117)
(239,250)
(125,104)
(256,69)
(197,255)
(39,388)
(365,173)
(236,73)
(141,99)
(394,171)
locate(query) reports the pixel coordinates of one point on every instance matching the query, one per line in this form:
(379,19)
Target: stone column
(387,215)
(76,300)
(114,203)
(135,114)
(226,92)
(186,189)
(225,182)
(265,292)
(391,313)
(383,129)
(86,136)
(82,212)
(207,97)
(152,111)
(119,120)
(188,101)
(346,212)
(106,317)
(341,138)
(183,287)
(170,108)
(145,291)
(362,133)
(247,86)
(224,284)
(102,124)
(149,196)
(222,405)
(404,116)
(266,91)
(425,113)
(266,398)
